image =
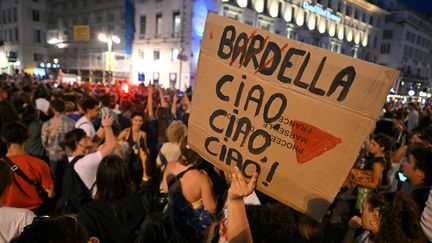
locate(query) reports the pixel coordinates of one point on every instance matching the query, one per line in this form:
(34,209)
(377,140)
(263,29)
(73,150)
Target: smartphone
(180,94)
(401,177)
(105,112)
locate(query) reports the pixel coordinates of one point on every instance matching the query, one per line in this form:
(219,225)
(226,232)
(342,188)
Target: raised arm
(174,106)
(150,101)
(110,140)
(163,102)
(238,225)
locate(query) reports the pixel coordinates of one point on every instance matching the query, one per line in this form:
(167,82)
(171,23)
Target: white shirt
(13,221)
(87,126)
(171,151)
(86,167)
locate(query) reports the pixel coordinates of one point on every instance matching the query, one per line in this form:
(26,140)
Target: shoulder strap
(14,168)
(180,175)
(21,174)
(75,159)
(162,158)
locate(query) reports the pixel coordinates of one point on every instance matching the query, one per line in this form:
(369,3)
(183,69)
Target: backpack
(74,192)
(156,225)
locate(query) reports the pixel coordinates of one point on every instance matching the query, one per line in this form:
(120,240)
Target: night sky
(421,6)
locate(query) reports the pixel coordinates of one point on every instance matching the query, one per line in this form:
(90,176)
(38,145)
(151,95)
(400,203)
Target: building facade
(168,35)
(23,26)
(407,46)
(73,30)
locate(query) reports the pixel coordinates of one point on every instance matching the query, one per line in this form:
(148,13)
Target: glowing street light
(110,39)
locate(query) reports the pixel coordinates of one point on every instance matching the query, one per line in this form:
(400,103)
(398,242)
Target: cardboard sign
(295,113)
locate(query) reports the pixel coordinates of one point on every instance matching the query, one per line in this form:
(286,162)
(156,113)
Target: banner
(81,33)
(295,113)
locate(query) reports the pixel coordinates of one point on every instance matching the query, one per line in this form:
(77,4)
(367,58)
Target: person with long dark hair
(117,211)
(387,217)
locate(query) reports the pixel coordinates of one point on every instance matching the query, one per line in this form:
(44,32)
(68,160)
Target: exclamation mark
(271,174)
(239,94)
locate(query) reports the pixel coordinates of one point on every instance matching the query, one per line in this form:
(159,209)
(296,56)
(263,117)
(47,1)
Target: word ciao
(248,47)
(240,129)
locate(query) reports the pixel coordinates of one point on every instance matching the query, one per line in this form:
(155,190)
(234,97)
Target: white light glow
(365,40)
(61,45)
(312,22)
(55,60)
(53,41)
(42,64)
(48,65)
(115,39)
(332,29)
(102,37)
(273,7)
(242,3)
(341,32)
(322,25)
(349,36)
(428,95)
(411,93)
(300,17)
(357,37)
(287,15)
(259,5)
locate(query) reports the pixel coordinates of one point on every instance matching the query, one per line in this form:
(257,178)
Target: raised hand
(239,186)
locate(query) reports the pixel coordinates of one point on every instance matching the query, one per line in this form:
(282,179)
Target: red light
(125,88)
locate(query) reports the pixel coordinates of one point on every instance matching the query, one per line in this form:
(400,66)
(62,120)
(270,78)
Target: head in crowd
(105,100)
(164,118)
(176,132)
(57,105)
(90,107)
(3,95)
(188,156)
(62,229)
(418,170)
(29,114)
(70,106)
(77,138)
(113,180)
(14,133)
(391,217)
(137,119)
(381,143)
(5,179)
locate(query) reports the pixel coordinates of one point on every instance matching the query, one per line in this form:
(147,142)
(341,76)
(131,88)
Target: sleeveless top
(190,220)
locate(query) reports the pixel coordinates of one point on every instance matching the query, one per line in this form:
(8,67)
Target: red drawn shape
(211,35)
(318,141)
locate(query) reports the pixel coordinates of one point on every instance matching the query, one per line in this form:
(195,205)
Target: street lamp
(110,39)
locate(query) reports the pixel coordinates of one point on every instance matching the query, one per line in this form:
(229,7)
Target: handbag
(47,205)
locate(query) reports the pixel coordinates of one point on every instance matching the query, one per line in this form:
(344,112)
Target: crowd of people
(97,163)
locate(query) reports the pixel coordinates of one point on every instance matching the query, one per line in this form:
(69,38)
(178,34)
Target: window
(141,54)
(176,22)
(37,57)
(174,54)
(142,24)
(9,15)
(158,23)
(10,35)
(348,10)
(98,19)
(4,16)
(385,48)
(371,20)
(340,6)
(35,15)
(85,20)
(156,54)
(37,36)
(16,34)
(110,17)
(387,34)
(15,15)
